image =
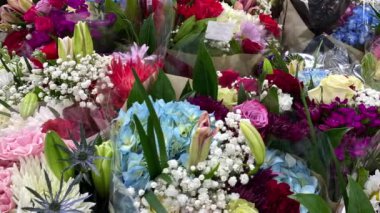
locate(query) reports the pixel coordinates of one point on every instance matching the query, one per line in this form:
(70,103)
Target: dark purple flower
(287,127)
(353,146)
(210,105)
(76,4)
(267,194)
(38,39)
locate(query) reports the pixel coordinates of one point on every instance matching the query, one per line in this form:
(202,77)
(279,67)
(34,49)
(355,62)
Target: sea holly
(55,202)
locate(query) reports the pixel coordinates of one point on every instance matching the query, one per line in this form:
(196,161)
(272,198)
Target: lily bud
(254,141)
(9,15)
(28,105)
(21,5)
(201,140)
(65,47)
(296,66)
(82,41)
(102,179)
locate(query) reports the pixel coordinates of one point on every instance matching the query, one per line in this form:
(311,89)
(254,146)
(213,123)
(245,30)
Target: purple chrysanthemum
(210,105)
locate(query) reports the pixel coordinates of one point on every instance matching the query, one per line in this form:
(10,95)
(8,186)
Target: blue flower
(177,121)
(312,74)
(291,171)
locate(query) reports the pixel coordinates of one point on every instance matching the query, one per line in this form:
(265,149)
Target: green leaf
(122,23)
(358,200)
(271,101)
(162,88)
(185,29)
(156,122)
(149,148)
(154,202)
(267,67)
(132,10)
(316,54)
(363,175)
(6,105)
(235,47)
(189,43)
(313,203)
(278,61)
(148,34)
(335,135)
(134,96)
(167,178)
(56,157)
(205,79)
(242,94)
(186,90)
(212,172)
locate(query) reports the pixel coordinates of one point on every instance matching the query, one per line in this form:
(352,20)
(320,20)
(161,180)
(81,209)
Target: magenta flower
(255,112)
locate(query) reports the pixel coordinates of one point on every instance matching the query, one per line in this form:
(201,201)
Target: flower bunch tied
(245,28)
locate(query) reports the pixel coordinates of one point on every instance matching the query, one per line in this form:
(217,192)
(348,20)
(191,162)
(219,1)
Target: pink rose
(6,202)
(255,112)
(21,144)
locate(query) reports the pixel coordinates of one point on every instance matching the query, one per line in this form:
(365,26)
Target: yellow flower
(241,206)
(228,96)
(334,86)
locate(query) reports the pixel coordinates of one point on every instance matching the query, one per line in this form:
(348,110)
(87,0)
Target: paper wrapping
(180,63)
(296,34)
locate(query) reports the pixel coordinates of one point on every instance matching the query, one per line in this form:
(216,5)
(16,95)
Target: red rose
(270,24)
(58,3)
(30,15)
(62,127)
(251,47)
(201,9)
(286,82)
(15,41)
(228,77)
(50,50)
(250,84)
(43,24)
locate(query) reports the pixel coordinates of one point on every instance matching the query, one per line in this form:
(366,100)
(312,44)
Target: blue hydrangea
(358,28)
(313,74)
(293,172)
(177,119)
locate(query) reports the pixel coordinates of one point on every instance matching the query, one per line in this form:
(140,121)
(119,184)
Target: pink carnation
(21,144)
(255,112)
(6,202)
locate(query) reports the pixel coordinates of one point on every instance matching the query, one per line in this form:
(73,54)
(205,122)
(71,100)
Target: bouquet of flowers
(235,35)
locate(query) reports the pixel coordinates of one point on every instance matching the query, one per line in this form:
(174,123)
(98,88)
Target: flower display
(188,106)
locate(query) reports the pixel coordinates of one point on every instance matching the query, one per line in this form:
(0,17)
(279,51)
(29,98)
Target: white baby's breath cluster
(285,100)
(369,97)
(81,81)
(192,190)
(220,45)
(11,78)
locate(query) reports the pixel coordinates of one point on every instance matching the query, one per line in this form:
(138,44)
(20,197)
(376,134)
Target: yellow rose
(334,86)
(228,96)
(241,206)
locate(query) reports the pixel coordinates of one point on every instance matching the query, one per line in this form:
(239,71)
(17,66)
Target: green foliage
(205,79)
(313,203)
